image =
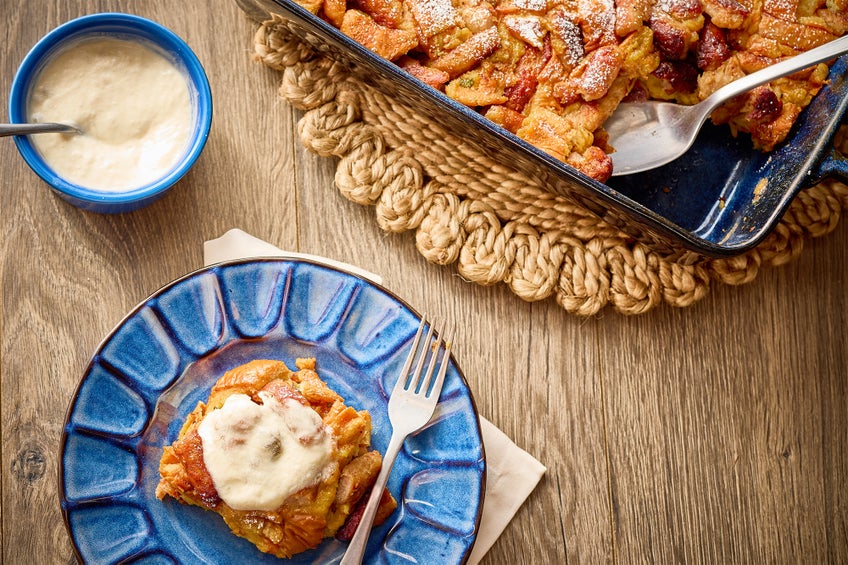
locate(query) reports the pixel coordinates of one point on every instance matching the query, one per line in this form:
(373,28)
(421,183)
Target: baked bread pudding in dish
(553,71)
(278,455)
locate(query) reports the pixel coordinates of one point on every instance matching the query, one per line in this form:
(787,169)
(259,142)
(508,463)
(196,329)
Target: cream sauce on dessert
(132,105)
(260,454)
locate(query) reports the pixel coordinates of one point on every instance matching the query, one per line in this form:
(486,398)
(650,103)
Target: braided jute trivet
(495,223)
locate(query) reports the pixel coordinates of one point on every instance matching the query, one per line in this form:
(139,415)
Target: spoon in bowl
(646,135)
(26,129)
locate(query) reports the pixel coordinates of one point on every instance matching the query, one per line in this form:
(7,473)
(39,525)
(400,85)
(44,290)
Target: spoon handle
(26,129)
(788,66)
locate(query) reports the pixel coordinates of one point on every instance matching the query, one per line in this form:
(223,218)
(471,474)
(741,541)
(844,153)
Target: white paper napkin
(511,472)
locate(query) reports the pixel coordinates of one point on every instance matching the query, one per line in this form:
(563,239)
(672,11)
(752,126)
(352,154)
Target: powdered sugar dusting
(780,7)
(532,5)
(434,16)
(600,17)
(680,8)
(528,28)
(569,33)
(486,41)
(664,5)
(598,74)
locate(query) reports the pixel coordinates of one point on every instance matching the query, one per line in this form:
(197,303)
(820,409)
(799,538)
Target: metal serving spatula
(646,135)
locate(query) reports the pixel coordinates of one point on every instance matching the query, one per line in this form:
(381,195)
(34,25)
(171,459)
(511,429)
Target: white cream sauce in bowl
(131,104)
(137,92)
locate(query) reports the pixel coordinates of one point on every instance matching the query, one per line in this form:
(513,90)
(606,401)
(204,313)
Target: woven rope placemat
(493,222)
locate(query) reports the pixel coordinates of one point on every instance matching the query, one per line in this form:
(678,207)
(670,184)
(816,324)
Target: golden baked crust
(552,71)
(311,514)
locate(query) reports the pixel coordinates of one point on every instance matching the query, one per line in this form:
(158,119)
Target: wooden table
(715,433)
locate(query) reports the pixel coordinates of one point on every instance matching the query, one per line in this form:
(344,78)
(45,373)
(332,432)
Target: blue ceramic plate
(163,358)
(121,26)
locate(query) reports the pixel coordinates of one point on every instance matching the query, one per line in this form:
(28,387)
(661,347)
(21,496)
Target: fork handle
(356,548)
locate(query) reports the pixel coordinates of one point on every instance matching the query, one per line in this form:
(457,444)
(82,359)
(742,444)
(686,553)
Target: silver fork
(411,405)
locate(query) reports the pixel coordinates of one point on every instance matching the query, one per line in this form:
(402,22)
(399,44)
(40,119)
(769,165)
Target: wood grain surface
(715,433)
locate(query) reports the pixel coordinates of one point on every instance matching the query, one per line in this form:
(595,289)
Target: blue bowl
(121,26)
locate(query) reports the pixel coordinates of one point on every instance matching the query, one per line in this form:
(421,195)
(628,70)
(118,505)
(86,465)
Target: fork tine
(440,378)
(415,378)
(434,354)
(404,372)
